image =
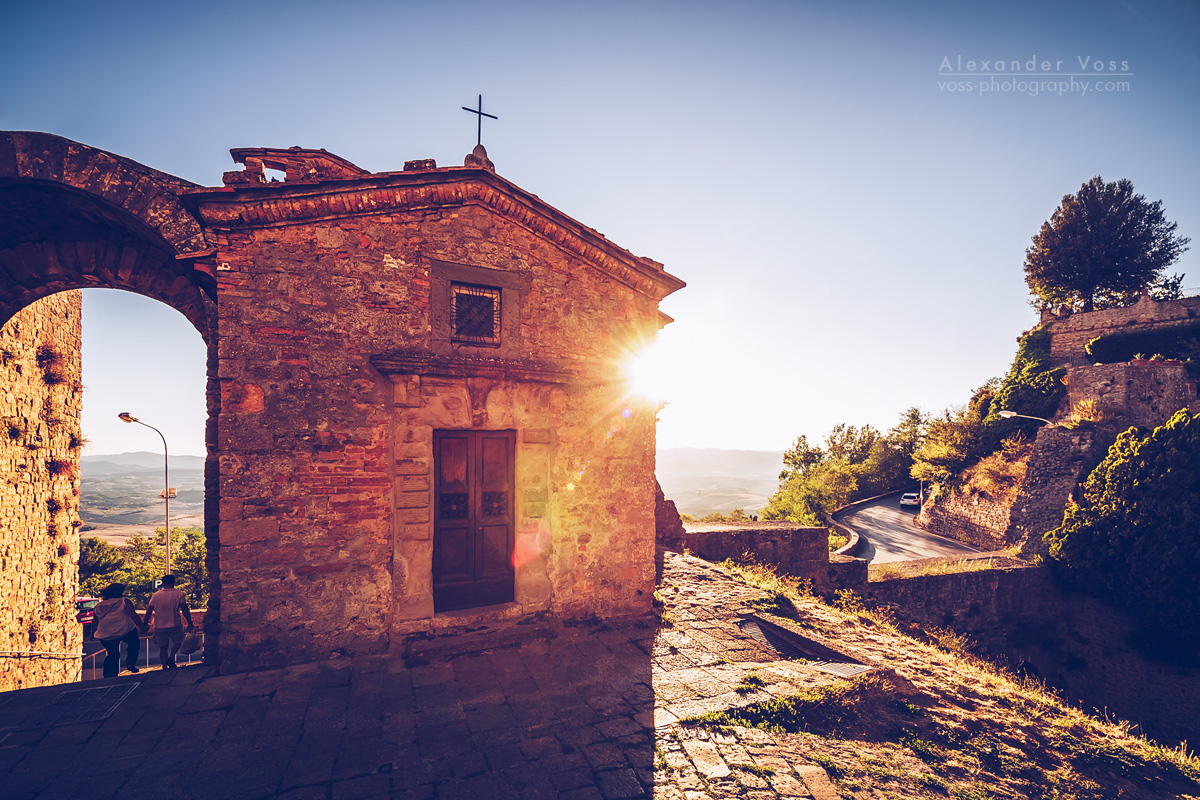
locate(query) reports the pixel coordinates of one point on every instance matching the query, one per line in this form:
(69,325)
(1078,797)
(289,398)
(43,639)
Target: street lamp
(1010,414)
(125,416)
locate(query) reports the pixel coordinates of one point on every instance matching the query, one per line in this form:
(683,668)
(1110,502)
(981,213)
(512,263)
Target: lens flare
(645,376)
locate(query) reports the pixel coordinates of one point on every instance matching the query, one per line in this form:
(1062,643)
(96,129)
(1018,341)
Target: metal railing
(93,664)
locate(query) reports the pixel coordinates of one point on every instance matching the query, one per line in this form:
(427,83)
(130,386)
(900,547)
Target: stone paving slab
(568,712)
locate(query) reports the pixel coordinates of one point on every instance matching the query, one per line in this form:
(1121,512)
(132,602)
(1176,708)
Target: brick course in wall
(39,465)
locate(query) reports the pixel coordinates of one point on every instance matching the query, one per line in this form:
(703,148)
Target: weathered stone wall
(1071,333)
(39,464)
(1023,619)
(790,547)
(335,372)
(1060,460)
(668,526)
(973,519)
(802,552)
(1129,394)
(1134,393)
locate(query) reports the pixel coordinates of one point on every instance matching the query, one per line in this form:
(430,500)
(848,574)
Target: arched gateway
(418,416)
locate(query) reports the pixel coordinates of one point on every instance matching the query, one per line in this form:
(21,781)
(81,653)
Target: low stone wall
(790,547)
(1022,618)
(799,551)
(973,519)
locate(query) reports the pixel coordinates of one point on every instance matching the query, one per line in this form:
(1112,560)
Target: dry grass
(998,477)
(1086,412)
(931,720)
(934,566)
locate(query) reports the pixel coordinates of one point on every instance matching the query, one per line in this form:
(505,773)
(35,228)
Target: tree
(140,562)
(952,439)
(98,560)
(1134,534)
(1101,247)
(852,464)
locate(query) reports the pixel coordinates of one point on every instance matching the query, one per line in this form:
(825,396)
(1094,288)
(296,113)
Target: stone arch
(76,217)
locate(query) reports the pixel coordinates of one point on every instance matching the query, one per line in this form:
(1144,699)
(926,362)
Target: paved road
(888,534)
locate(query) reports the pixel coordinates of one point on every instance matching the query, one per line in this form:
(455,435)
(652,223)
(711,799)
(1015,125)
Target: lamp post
(1010,414)
(125,416)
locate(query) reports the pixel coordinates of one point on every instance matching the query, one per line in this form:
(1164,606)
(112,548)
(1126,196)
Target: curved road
(888,534)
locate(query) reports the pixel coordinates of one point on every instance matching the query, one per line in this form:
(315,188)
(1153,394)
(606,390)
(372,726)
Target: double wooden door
(473,531)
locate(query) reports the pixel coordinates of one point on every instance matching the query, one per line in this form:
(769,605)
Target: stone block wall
(1071,333)
(1060,460)
(802,552)
(40,442)
(976,520)
(1134,393)
(1022,618)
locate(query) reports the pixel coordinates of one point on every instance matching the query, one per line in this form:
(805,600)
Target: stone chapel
(419,411)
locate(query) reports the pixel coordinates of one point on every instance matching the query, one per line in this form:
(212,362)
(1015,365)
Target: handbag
(191,643)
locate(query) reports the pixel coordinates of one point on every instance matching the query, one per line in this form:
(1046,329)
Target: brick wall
(39,464)
(1021,617)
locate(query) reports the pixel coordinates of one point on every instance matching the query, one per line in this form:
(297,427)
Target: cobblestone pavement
(544,711)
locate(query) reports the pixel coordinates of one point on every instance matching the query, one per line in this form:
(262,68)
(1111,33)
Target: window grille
(476,314)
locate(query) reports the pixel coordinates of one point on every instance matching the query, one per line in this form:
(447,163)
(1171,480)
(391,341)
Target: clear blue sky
(851,230)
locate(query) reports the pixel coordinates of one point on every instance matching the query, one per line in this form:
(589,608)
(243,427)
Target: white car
(910,499)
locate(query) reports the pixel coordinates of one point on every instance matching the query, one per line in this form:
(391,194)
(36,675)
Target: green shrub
(1173,341)
(1033,386)
(1134,535)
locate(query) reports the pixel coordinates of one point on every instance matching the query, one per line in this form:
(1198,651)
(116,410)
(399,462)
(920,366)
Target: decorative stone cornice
(425,363)
(250,206)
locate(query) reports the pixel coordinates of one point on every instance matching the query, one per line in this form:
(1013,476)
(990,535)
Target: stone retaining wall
(1021,617)
(1071,333)
(973,519)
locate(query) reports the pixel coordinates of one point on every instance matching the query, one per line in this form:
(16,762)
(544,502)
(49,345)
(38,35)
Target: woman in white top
(115,621)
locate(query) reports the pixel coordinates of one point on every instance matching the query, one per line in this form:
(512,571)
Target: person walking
(167,605)
(114,621)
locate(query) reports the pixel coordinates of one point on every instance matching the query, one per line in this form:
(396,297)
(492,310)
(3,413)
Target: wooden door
(473,531)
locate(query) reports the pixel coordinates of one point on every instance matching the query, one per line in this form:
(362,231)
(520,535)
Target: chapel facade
(419,412)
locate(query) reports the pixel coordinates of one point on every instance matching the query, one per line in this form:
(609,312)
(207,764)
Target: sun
(645,374)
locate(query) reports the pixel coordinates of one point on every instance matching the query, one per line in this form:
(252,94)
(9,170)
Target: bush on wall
(1033,386)
(1174,341)
(1134,534)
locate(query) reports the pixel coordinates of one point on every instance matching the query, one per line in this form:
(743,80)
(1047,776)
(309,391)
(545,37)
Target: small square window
(475,311)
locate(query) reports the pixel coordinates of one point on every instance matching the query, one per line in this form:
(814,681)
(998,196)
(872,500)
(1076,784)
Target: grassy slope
(933,721)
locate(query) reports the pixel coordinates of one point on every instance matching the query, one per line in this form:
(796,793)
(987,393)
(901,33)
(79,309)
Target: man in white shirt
(167,609)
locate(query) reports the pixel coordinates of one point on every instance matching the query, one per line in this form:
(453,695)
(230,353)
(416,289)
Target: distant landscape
(704,480)
(119,496)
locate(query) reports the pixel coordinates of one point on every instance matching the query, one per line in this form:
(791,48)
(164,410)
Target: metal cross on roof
(480,112)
